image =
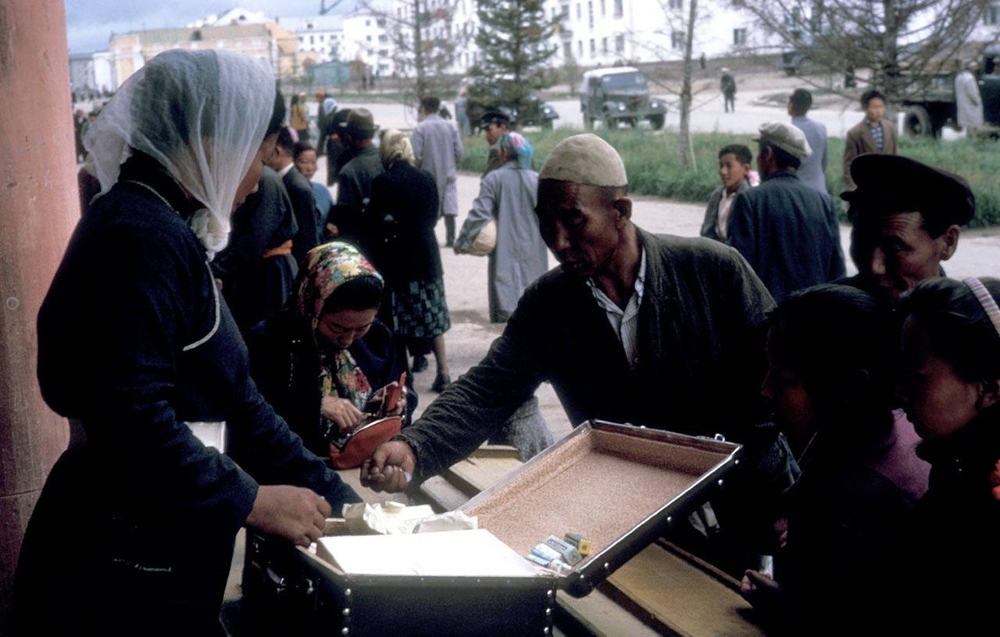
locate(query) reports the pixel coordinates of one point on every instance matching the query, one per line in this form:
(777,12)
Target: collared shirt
(725,205)
(284,171)
(625,322)
(878,135)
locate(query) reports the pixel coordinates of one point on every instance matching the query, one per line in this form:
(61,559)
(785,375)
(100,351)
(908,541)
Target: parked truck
(926,113)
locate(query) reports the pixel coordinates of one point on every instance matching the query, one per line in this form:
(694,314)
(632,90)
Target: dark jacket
(285,365)
(354,188)
(700,332)
(133,342)
(957,531)
(401,217)
(256,286)
(788,232)
(708,224)
(300,193)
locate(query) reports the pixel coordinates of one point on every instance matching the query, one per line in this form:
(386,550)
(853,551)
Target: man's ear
(949,241)
(623,206)
(989,393)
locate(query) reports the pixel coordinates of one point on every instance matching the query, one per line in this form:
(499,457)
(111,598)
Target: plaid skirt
(419,309)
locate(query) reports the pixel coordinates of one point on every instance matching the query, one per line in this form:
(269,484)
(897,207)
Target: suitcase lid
(619,486)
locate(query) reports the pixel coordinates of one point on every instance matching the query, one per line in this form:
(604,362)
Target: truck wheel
(588,122)
(917,122)
(546,124)
(609,122)
(657,121)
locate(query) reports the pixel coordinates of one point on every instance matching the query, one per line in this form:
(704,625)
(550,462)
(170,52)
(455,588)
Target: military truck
(487,96)
(618,95)
(926,113)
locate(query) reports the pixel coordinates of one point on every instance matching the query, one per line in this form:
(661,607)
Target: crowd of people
(246,323)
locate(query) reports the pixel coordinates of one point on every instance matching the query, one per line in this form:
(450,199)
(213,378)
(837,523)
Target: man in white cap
(786,229)
(660,331)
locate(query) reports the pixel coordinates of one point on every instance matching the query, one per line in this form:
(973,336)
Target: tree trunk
(684,136)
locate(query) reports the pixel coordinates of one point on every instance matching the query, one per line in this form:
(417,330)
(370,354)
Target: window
(619,43)
(604,46)
(992,16)
(676,4)
(590,14)
(739,37)
(593,48)
(568,50)
(619,12)
(604,8)
(676,39)
(579,13)
(579,48)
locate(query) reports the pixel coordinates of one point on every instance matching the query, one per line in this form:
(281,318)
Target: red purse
(354,447)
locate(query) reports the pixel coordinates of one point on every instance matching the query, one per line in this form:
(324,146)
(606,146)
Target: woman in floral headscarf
(324,361)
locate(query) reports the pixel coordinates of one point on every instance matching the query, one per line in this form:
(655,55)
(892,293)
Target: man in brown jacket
(872,135)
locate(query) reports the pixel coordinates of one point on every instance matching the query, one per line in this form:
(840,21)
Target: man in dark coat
(631,327)
(873,134)
(906,220)
(256,268)
(300,193)
(786,229)
(354,185)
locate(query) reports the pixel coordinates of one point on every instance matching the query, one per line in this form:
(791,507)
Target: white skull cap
(585,159)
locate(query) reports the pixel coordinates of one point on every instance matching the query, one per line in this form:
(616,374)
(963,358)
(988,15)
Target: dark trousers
(449,230)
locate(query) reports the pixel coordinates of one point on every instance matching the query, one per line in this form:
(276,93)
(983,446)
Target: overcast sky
(90,23)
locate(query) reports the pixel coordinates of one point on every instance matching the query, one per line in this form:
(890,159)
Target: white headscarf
(202,115)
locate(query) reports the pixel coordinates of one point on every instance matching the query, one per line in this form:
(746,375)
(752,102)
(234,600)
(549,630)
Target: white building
(321,38)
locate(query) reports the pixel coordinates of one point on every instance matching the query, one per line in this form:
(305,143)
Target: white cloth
(968,101)
(200,114)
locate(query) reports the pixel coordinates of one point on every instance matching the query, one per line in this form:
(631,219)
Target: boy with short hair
(735,171)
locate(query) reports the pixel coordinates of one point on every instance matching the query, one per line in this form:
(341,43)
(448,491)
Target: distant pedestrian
(298,117)
(787,231)
(508,196)
(873,134)
(354,184)
(728,85)
(438,149)
(813,168)
(460,115)
(403,212)
(968,100)
(701,60)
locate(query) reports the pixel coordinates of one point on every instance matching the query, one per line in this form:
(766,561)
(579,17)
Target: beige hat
(585,159)
(786,137)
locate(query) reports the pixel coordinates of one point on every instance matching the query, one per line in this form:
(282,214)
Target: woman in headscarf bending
(324,362)
(137,347)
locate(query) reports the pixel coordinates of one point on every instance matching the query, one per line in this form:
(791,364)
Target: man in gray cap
(786,229)
(631,327)
(354,184)
(906,217)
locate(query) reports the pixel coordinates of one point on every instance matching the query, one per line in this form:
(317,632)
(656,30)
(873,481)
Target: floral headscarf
(327,267)
(517,148)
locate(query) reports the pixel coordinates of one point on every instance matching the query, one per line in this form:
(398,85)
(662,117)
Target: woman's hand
(341,412)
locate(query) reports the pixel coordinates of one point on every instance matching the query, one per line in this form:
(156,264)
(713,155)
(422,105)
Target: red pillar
(38,209)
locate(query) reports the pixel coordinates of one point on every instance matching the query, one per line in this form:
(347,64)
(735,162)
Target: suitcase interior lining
(600,484)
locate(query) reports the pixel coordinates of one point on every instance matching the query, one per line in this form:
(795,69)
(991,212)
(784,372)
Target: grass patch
(654,168)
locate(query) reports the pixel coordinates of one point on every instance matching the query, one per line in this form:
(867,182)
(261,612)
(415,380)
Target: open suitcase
(619,486)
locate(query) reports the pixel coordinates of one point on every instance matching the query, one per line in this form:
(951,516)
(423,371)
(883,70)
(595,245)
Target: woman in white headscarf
(137,347)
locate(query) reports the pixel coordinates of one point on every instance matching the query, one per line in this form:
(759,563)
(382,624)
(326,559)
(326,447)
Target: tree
(424,43)
(684,138)
(902,42)
(514,45)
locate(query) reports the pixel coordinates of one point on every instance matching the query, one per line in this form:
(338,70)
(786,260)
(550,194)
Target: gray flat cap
(786,137)
(585,159)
